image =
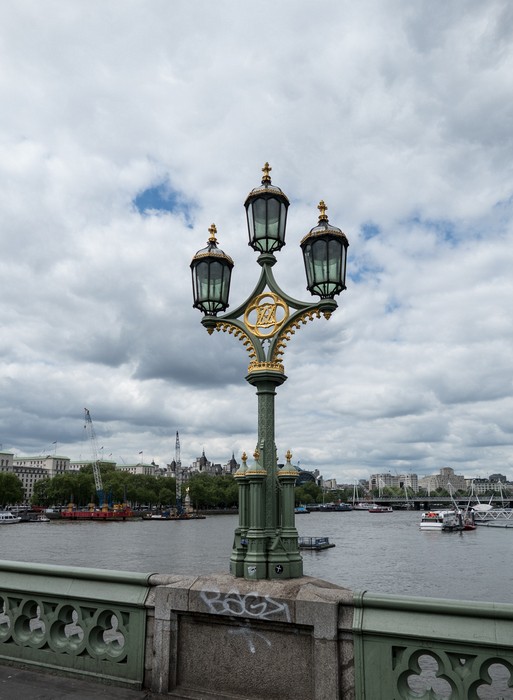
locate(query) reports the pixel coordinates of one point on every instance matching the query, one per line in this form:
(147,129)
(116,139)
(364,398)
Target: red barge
(116,513)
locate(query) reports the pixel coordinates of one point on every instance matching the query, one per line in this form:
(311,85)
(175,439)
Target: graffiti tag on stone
(252,605)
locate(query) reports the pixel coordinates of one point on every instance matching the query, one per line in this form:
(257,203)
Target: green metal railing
(78,621)
(93,623)
(434,649)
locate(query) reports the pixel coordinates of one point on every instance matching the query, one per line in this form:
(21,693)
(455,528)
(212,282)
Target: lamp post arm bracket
(275,287)
(240,310)
(267,279)
(235,328)
(295,321)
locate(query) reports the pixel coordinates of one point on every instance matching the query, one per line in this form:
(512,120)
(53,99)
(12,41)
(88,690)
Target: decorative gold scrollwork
(289,330)
(226,326)
(260,366)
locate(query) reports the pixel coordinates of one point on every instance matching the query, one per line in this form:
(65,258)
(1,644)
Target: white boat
(7,518)
(440,520)
(41,518)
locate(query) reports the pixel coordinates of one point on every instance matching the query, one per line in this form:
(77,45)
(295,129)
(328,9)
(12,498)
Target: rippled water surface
(381,553)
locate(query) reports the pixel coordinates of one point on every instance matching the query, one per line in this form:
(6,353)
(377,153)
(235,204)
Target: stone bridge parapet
(217,636)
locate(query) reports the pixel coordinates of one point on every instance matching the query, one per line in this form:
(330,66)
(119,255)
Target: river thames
(381,553)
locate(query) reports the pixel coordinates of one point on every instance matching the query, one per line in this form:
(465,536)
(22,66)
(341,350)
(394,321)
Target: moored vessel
(7,518)
(301,510)
(375,508)
(315,543)
(173,516)
(440,521)
(41,518)
(117,512)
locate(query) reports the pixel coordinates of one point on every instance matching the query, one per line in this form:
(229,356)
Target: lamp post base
(281,561)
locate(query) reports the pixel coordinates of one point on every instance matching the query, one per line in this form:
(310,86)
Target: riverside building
(30,470)
(399,481)
(446,479)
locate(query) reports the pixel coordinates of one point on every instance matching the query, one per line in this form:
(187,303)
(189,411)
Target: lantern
(211,274)
(325,256)
(266,212)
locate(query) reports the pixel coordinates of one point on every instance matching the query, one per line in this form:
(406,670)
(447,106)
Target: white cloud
(398,116)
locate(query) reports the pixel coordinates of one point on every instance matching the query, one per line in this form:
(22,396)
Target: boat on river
(7,518)
(315,543)
(116,513)
(301,510)
(172,516)
(328,507)
(440,521)
(375,508)
(465,517)
(41,518)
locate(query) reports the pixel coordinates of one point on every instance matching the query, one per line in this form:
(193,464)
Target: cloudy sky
(129,126)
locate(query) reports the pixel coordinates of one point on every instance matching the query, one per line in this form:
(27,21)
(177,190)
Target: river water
(381,553)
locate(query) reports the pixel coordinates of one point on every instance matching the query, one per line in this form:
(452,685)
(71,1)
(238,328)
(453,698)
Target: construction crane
(96,466)
(178,476)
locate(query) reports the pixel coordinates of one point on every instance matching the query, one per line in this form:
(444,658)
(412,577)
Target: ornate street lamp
(266,540)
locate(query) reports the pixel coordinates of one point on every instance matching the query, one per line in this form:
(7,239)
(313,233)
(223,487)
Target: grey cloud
(402,120)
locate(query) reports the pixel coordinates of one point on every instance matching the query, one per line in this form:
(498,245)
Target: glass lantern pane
(283,221)
(225,286)
(260,218)
(216,281)
(249,213)
(335,260)
(202,281)
(307,255)
(320,254)
(343,263)
(273,218)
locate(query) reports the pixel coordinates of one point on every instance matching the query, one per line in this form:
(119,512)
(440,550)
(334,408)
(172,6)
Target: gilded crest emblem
(266,314)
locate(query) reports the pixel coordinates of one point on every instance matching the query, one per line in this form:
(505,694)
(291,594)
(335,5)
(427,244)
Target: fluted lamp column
(255,562)
(287,477)
(240,540)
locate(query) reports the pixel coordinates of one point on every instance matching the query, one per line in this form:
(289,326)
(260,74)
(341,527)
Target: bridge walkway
(38,685)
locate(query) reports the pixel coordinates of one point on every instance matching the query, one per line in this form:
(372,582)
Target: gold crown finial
(256,455)
(212,230)
(266,170)
(288,456)
(322,208)
(244,457)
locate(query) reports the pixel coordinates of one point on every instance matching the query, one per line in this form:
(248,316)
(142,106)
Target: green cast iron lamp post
(266,540)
